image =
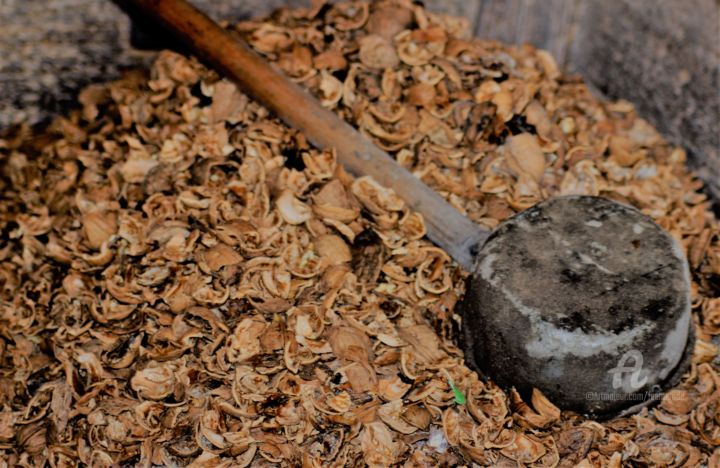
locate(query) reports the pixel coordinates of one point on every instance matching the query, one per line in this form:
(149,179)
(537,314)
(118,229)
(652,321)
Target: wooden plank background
(663,55)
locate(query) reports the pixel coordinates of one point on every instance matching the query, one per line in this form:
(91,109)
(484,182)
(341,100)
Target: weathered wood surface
(544,23)
(49,49)
(663,55)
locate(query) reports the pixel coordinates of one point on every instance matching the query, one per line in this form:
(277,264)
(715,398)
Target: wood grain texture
(664,56)
(544,23)
(548,25)
(500,20)
(467,9)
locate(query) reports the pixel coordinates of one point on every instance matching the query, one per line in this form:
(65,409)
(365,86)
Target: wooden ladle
(584,298)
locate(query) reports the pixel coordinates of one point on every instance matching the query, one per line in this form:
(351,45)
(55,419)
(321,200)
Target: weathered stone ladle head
(583,298)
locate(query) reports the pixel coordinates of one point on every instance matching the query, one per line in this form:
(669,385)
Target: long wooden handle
(449,229)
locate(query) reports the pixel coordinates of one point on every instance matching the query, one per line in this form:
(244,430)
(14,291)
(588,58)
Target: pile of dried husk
(183,280)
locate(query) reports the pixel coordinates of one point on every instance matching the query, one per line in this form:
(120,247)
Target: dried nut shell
(331,89)
(155,382)
(375,197)
(524,449)
(292,210)
(524,156)
(98,227)
(378,445)
(332,202)
(219,256)
(393,388)
(354,348)
(417,416)
(350,15)
(388,20)
(333,249)
(377,52)
(391,415)
(421,94)
(135,169)
(678,402)
(330,60)
(228,103)
(503,101)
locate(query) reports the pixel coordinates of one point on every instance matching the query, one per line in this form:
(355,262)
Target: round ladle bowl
(587,300)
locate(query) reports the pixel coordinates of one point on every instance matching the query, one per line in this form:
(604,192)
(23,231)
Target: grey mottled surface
(590,301)
(52,48)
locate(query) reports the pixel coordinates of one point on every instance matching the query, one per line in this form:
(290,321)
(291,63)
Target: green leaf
(459,397)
